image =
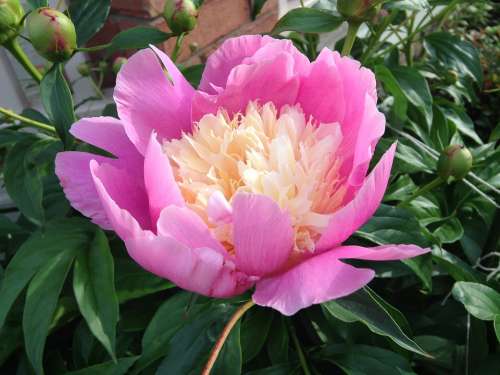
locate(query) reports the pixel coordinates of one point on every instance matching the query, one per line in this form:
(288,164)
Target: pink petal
(73,171)
(187,228)
(201,270)
(386,252)
(262,234)
(274,81)
(316,280)
(353,215)
(248,49)
(149,98)
(123,199)
(219,210)
(159,181)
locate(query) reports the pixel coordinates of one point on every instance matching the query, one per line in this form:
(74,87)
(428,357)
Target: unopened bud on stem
(181,15)
(11,14)
(455,161)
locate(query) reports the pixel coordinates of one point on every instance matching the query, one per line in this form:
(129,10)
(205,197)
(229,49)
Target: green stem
(302,358)
(424,189)
(409,42)
(93,48)
(352,31)
(27,121)
(177,48)
(302,4)
(375,38)
(15,49)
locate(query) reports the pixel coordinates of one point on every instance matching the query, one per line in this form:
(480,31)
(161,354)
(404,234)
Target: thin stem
(177,48)
(424,189)
(302,4)
(28,121)
(352,31)
(302,357)
(375,38)
(223,336)
(15,49)
(93,48)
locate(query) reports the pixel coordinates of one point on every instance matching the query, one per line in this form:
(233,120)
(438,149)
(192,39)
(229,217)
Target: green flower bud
(52,34)
(455,161)
(118,63)
(450,77)
(11,13)
(357,11)
(180,15)
(84,69)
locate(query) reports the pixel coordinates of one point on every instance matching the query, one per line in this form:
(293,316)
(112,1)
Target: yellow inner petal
(282,155)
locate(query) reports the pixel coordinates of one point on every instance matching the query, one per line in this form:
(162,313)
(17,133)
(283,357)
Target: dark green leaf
(452,52)
(89,17)
(11,338)
(360,306)
(41,300)
(8,227)
(58,102)
(38,250)
(277,344)
(307,20)
(229,360)
(120,367)
(193,74)
(94,287)
(458,117)
(479,300)
(392,86)
(34,4)
(282,369)
(254,330)
(137,38)
(454,266)
(496,324)
(415,88)
(450,231)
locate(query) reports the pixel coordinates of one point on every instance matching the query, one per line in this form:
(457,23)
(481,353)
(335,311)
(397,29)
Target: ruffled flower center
(285,156)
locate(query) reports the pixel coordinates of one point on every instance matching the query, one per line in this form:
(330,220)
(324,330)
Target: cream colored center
(284,156)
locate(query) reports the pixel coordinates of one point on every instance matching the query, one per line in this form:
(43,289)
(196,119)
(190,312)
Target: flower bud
(357,11)
(455,161)
(180,15)
(52,34)
(450,77)
(84,69)
(118,63)
(11,13)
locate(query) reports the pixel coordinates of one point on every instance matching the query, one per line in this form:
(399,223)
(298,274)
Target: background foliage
(73,302)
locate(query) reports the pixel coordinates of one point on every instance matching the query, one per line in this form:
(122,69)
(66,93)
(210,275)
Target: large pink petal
(201,270)
(188,228)
(353,215)
(385,252)
(73,171)
(262,234)
(274,81)
(123,199)
(248,49)
(150,98)
(159,180)
(316,280)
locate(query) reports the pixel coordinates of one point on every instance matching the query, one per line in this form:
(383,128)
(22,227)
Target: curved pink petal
(187,228)
(123,199)
(248,49)
(274,81)
(316,280)
(219,210)
(150,98)
(73,171)
(353,215)
(201,270)
(262,234)
(385,252)
(159,180)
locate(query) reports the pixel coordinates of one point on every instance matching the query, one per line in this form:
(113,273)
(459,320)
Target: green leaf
(120,367)
(307,20)
(40,248)
(282,369)
(479,300)
(408,4)
(89,17)
(454,266)
(450,231)
(58,102)
(257,7)
(458,117)
(193,74)
(94,287)
(416,90)
(137,38)
(392,86)
(442,130)
(453,53)
(34,4)
(361,306)
(496,324)
(11,338)
(229,360)
(254,331)
(277,344)
(8,227)
(40,305)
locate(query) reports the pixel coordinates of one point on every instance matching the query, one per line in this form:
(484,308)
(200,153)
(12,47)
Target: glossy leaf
(392,86)
(89,17)
(254,331)
(496,323)
(450,231)
(94,287)
(229,360)
(120,367)
(137,38)
(277,344)
(479,300)
(307,20)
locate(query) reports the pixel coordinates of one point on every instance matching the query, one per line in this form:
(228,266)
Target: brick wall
(218,20)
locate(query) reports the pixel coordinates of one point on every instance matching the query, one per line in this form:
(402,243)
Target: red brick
(138,8)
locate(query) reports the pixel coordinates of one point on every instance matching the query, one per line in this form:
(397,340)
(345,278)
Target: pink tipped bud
(52,34)
(181,15)
(118,63)
(11,13)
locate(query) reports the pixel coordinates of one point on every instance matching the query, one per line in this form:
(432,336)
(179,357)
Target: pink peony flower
(255,179)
